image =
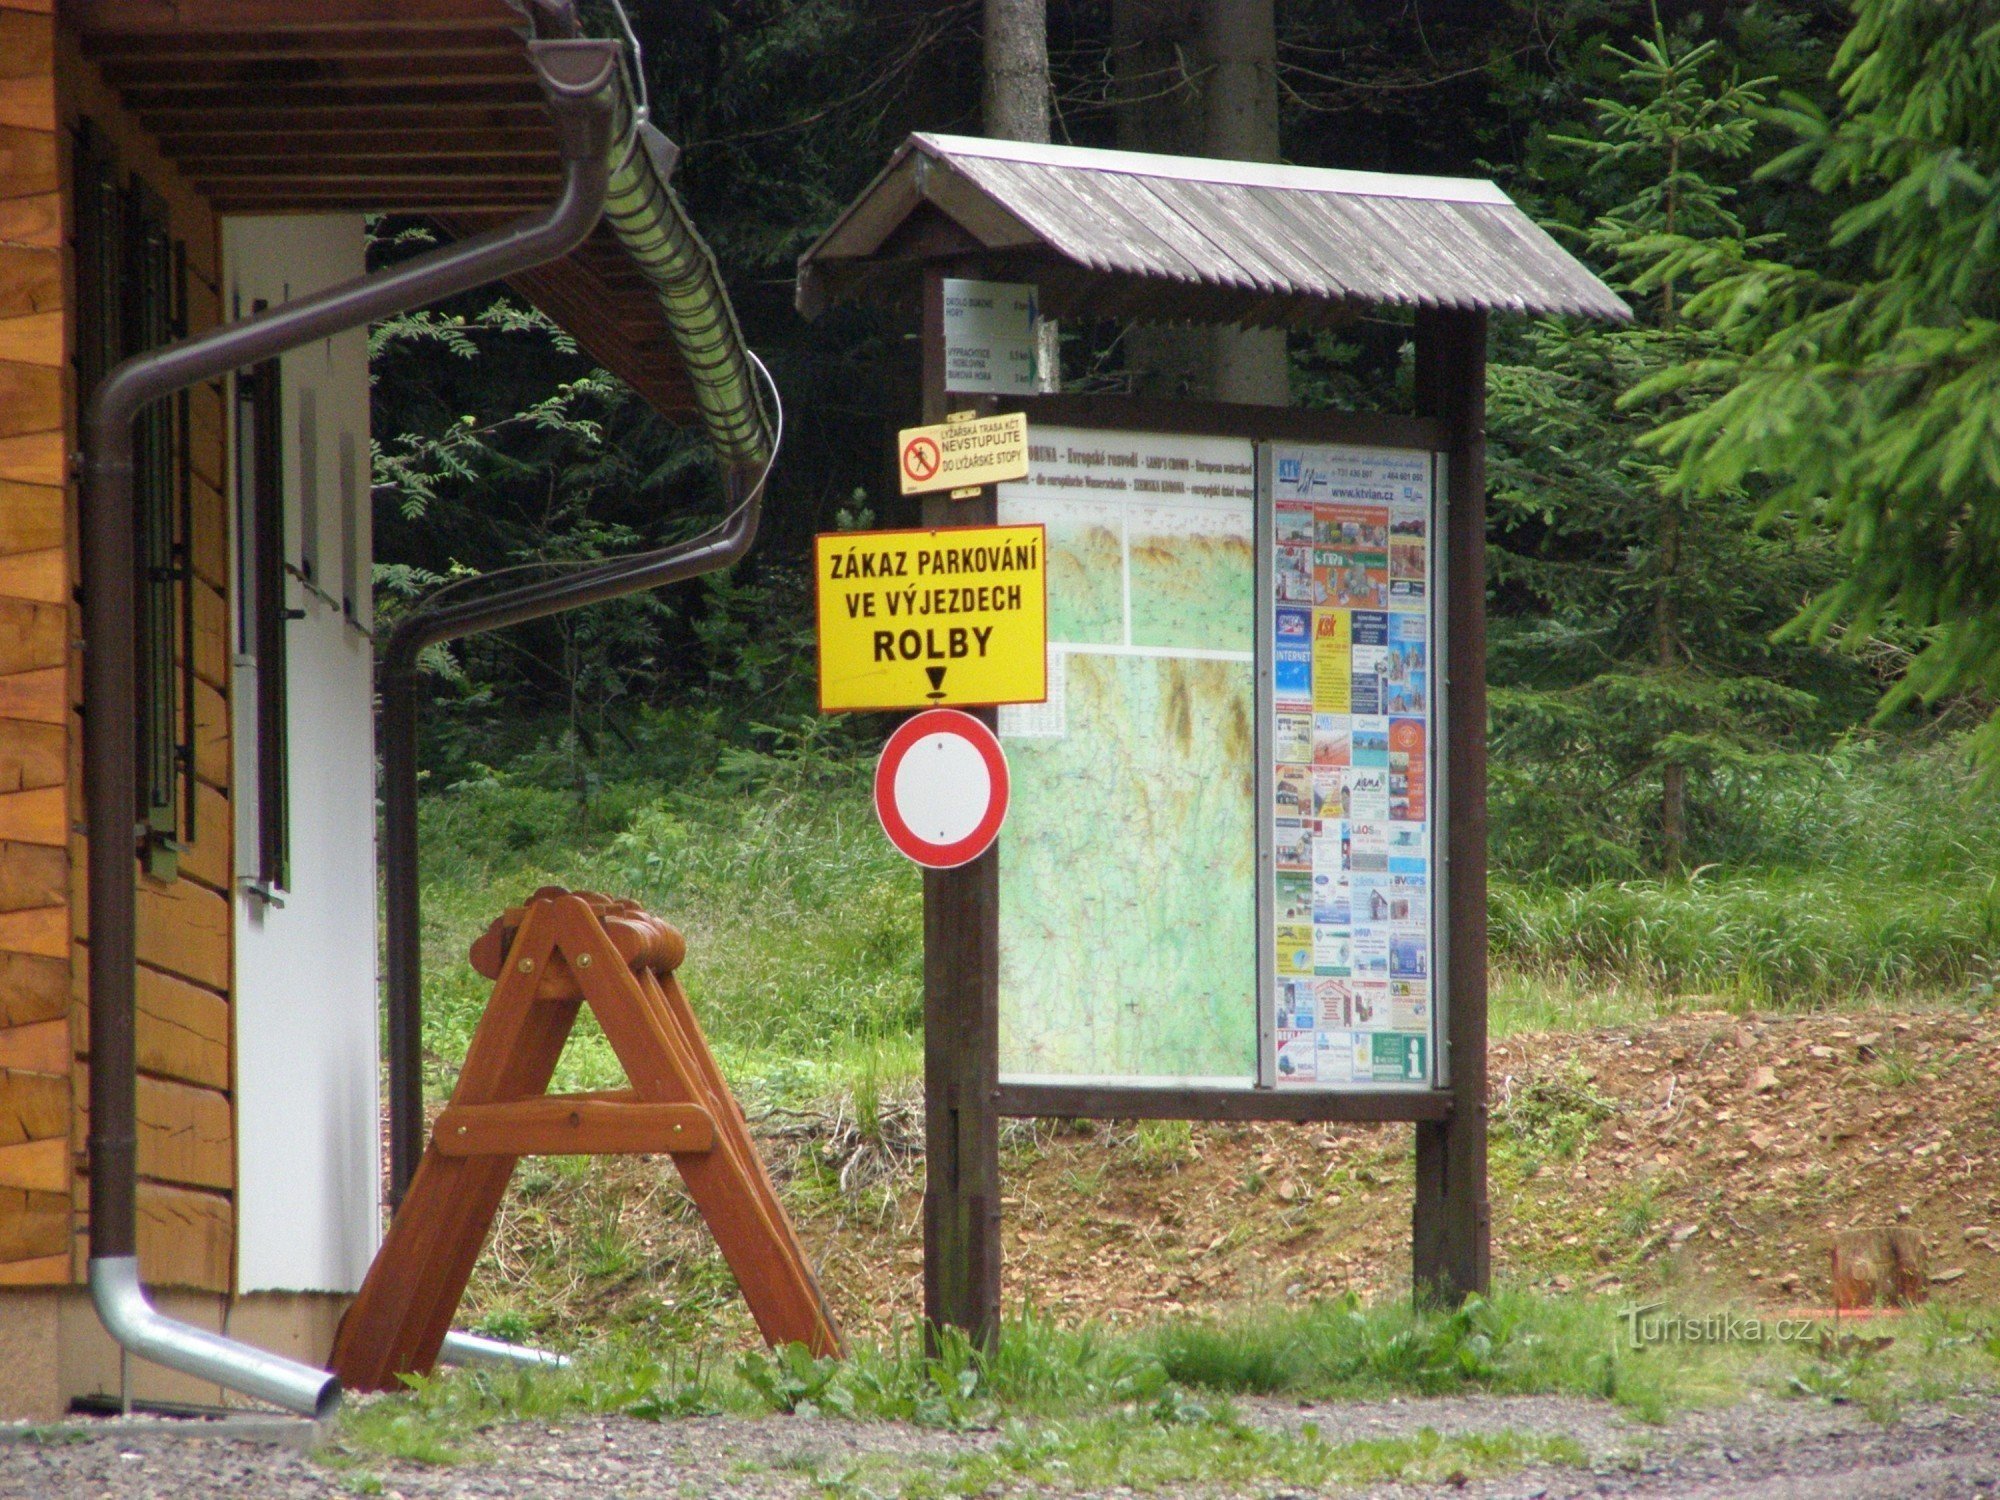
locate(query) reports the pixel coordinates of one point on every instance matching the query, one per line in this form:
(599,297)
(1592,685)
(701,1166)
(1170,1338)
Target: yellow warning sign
(917,619)
(959,454)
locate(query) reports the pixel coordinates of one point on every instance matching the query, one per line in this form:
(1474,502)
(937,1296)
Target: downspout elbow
(131,1319)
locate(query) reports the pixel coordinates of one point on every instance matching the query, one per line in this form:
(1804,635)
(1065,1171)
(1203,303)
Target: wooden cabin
(165,165)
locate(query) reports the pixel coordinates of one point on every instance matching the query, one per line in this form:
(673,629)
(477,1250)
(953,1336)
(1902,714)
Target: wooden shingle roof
(1134,235)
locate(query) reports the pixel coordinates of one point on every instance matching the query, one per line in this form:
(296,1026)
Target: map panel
(1128,932)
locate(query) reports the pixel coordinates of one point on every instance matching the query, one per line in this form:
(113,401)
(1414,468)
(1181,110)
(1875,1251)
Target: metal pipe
(470,1349)
(403,914)
(132,1320)
(579,79)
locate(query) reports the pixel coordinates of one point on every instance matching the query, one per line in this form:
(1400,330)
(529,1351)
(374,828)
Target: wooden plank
(39,697)
(31,397)
(27,104)
(31,517)
(558,1126)
(36,1166)
(43,931)
(385,67)
(42,577)
(184,930)
(98,19)
(206,437)
(183,1031)
(1451,1217)
(33,1226)
(535,164)
(1109,1102)
(320,43)
(34,219)
(32,338)
(33,990)
(186,1237)
(211,735)
(155,100)
(33,874)
(32,635)
(45,1270)
(37,817)
(406,1303)
(33,1107)
(40,1048)
(27,161)
(358,139)
(409,120)
(30,276)
(207,858)
(32,755)
(211,636)
(33,457)
(962,1249)
(186,1134)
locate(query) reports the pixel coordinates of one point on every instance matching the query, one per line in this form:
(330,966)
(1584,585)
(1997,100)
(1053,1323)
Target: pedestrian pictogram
(941,788)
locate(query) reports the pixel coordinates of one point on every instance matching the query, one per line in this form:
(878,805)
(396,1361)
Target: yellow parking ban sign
(918,619)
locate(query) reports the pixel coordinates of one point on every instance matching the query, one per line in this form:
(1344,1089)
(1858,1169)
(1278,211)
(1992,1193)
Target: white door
(307,1128)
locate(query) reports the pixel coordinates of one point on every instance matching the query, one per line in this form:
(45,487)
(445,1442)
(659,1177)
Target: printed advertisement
(1350,738)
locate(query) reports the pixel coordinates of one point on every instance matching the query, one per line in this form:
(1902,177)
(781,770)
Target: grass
(803,925)
(1872,882)
(1091,1407)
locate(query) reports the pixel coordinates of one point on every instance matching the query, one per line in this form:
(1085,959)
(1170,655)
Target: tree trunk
(1157,93)
(1017,70)
(1240,50)
(1666,645)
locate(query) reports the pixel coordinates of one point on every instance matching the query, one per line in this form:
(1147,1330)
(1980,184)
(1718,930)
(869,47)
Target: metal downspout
(579,79)
(649,220)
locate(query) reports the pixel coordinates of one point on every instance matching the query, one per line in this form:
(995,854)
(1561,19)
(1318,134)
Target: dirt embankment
(1708,1155)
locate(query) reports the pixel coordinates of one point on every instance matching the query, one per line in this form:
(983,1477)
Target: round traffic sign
(941,788)
(921,458)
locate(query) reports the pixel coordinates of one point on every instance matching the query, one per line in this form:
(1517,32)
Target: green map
(1128,864)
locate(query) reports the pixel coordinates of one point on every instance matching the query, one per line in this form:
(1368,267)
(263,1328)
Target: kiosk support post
(961,1001)
(1451,1220)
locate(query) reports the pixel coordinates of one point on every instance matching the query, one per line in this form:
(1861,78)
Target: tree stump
(1873,1267)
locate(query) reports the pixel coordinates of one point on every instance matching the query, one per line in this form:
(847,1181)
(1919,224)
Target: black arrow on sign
(936,675)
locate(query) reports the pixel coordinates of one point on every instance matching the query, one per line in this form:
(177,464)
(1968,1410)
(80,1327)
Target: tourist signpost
(1244,874)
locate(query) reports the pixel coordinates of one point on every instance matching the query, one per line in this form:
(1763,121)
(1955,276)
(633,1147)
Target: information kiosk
(1244,872)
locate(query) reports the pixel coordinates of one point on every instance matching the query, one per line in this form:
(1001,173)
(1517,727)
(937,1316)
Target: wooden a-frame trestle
(549,958)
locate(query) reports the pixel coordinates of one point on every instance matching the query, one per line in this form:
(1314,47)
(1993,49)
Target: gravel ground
(1758,1450)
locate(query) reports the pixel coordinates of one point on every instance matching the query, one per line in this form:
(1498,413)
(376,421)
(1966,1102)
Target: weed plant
(1160,1404)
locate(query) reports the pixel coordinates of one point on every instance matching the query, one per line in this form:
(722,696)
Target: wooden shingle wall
(186,1127)
(36,1045)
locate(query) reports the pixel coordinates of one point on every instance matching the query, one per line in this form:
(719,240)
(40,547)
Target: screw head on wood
(583,960)
(526,966)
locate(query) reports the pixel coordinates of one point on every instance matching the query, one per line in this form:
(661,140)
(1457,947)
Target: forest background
(1691,796)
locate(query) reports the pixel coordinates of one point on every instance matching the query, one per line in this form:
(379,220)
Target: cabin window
(132,296)
(261,613)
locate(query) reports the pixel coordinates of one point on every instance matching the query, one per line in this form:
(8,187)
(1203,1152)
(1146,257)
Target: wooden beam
(408,118)
(391,66)
(961,1001)
(112,49)
(169,98)
(1451,1219)
(334,138)
(538,166)
(574,1126)
(99,19)
(1068,1101)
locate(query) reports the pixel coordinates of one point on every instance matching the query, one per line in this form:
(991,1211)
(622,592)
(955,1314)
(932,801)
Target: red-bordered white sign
(941,788)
